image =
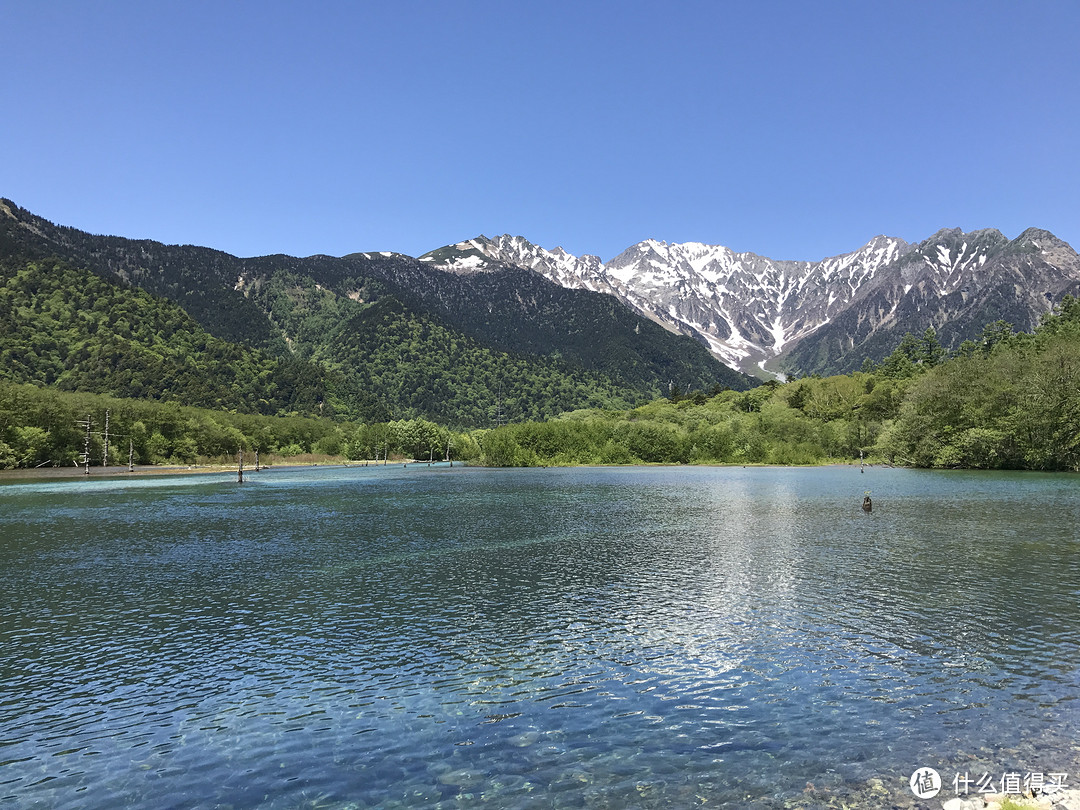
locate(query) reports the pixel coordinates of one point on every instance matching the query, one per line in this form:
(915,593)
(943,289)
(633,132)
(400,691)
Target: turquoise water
(624,637)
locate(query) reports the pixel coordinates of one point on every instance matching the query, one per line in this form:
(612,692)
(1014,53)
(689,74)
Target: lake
(593,637)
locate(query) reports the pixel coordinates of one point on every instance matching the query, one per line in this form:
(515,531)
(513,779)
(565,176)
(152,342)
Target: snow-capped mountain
(955,282)
(750,309)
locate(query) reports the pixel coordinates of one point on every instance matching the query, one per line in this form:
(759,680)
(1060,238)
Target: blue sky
(796,130)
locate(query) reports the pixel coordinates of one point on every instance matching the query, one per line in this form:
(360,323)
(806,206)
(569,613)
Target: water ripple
(602,638)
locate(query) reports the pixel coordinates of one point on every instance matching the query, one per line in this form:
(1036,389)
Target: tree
(930,352)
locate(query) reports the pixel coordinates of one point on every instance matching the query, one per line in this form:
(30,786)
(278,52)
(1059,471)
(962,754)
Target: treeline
(1006,401)
(41,426)
(1010,401)
(808,422)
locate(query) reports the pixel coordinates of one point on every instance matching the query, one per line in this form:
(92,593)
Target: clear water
(626,637)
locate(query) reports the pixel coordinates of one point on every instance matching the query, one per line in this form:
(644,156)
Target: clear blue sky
(796,130)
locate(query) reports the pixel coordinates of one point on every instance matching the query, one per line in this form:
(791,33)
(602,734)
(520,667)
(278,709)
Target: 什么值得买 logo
(925,783)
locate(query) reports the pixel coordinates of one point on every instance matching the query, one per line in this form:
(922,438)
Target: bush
(652,442)
(499,448)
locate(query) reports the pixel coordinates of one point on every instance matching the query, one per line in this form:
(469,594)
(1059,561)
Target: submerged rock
(462,778)
(524,739)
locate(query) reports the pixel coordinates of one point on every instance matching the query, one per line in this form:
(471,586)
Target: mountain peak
(1045,245)
(748,308)
(992,235)
(881,240)
(1039,238)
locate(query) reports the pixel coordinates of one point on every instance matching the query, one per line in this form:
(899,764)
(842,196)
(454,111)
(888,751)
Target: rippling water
(626,637)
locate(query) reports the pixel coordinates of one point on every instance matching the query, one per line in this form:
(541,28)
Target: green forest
(1006,401)
(69,328)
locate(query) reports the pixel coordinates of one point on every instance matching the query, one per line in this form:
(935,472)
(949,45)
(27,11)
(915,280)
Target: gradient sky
(796,130)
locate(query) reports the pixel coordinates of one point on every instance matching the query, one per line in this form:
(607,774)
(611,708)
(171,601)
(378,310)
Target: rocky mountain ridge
(803,316)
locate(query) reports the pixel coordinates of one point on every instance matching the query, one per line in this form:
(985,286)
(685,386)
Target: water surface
(434,637)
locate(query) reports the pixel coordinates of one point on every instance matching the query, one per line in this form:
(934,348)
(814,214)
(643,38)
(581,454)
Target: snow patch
(776,374)
(469,262)
(779,338)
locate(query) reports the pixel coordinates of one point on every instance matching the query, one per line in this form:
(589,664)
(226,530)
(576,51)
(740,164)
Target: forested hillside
(65,327)
(69,328)
(426,368)
(282,334)
(520,311)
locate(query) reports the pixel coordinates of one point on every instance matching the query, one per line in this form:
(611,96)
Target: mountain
(485,324)
(382,334)
(955,282)
(809,317)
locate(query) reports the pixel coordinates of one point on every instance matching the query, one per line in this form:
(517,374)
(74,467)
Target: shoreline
(54,473)
(143,470)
